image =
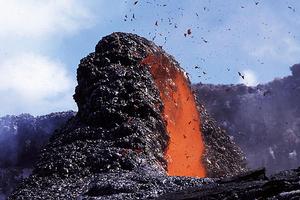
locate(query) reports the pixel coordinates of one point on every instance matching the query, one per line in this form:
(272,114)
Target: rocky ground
(251,185)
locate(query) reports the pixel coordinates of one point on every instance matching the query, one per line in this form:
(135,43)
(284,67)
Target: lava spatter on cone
(119,144)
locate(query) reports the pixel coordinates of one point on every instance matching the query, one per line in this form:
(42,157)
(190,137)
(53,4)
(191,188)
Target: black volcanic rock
(114,147)
(263,120)
(249,186)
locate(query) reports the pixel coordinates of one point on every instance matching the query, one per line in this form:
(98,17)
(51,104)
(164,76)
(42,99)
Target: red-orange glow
(185,149)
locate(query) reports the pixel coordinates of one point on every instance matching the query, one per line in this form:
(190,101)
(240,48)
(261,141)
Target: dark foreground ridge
(114,147)
(249,186)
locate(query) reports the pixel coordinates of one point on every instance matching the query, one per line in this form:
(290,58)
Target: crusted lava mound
(115,147)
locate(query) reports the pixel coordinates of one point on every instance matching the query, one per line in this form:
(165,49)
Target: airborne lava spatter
(186,147)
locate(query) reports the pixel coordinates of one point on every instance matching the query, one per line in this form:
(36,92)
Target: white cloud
(33,18)
(249,78)
(30,81)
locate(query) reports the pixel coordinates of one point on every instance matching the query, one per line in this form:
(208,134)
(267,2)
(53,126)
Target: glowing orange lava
(185,148)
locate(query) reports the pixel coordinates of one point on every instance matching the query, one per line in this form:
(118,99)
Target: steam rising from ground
(264,120)
(21,139)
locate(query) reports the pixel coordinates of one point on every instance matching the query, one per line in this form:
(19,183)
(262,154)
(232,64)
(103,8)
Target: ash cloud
(264,120)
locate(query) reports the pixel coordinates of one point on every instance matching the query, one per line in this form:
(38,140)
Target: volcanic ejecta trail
(186,146)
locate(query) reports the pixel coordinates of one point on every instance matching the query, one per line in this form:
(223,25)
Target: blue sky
(43,41)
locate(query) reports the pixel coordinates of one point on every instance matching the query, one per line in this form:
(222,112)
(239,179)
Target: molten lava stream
(185,148)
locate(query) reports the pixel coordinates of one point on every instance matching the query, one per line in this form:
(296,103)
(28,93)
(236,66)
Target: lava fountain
(186,146)
(136,113)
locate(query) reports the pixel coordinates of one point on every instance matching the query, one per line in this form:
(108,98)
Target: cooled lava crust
(114,148)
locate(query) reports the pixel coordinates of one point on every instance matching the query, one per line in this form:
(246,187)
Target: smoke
(21,139)
(264,120)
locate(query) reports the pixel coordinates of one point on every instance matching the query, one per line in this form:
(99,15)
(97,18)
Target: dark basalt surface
(114,147)
(252,185)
